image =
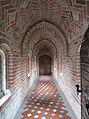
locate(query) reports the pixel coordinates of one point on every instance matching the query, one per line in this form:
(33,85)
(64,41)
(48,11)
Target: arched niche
(2,71)
(6,72)
(29,64)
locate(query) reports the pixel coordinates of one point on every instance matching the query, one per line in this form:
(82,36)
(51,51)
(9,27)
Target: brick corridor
(45,102)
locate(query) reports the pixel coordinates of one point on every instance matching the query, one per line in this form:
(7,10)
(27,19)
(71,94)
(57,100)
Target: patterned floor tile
(38,112)
(29,115)
(36,116)
(45,102)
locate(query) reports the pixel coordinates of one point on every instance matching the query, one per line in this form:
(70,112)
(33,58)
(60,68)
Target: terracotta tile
(45,102)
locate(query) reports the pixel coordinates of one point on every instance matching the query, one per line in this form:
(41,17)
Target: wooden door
(45,65)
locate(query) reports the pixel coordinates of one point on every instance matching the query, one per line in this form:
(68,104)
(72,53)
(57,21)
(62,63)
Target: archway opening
(44,65)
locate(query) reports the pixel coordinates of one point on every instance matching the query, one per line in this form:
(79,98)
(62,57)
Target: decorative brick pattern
(64,23)
(62,11)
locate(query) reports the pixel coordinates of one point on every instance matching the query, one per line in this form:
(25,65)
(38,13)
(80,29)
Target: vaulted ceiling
(21,17)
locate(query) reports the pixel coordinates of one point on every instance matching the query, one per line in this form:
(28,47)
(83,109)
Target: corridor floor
(44,102)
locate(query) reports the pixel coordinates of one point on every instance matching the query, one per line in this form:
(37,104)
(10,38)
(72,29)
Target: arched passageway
(45,102)
(43,36)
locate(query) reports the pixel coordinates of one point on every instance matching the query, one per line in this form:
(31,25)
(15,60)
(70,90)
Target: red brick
(6,2)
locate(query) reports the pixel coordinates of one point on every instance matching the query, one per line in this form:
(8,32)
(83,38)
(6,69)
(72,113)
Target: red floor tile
(45,101)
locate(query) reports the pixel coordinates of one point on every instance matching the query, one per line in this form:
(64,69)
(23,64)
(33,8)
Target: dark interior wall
(85,78)
(44,65)
(0,74)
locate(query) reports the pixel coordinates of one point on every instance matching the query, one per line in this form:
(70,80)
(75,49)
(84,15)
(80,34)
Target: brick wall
(67,80)
(23,25)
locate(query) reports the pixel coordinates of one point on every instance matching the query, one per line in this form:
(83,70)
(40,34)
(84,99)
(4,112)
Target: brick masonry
(23,25)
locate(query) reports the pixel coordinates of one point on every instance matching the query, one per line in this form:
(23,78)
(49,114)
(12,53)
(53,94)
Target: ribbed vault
(45,30)
(68,14)
(45,44)
(17,15)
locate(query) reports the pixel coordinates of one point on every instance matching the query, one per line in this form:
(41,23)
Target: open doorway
(44,65)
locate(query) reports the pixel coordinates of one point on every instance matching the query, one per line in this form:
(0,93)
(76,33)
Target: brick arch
(44,43)
(6,41)
(62,16)
(45,50)
(51,25)
(50,35)
(40,44)
(46,21)
(9,58)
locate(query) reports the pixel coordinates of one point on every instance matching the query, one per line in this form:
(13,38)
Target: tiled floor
(45,102)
